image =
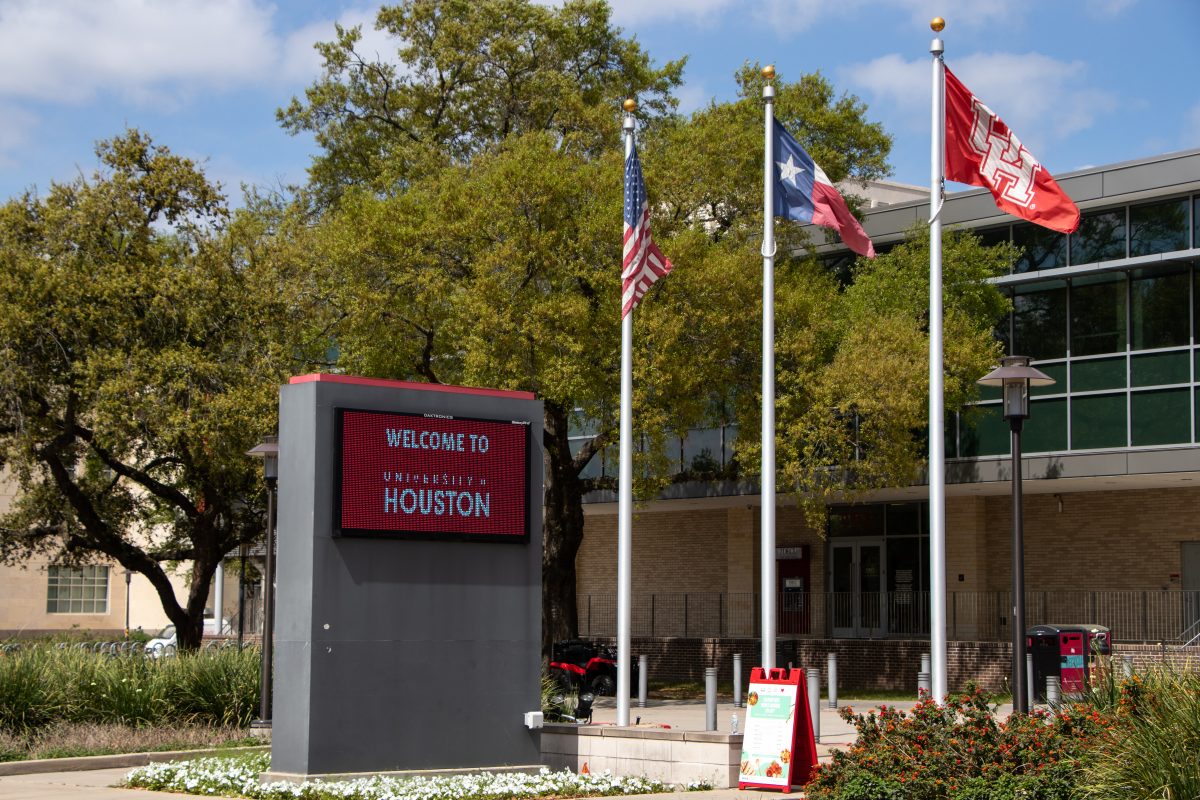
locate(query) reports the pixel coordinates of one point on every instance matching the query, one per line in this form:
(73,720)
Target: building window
(1097,315)
(77,590)
(1159,308)
(1041,248)
(1158,227)
(1040,321)
(1101,237)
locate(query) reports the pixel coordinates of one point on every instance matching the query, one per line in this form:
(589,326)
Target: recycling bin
(1066,652)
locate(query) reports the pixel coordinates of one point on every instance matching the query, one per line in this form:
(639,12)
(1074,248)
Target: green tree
(466,75)
(474,246)
(141,342)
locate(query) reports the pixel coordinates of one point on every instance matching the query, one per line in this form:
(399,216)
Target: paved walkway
(679,714)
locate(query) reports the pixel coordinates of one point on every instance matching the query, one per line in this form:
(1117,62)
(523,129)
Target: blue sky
(1082,82)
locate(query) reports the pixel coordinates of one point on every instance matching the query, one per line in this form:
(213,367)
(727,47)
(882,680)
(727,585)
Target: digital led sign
(430,476)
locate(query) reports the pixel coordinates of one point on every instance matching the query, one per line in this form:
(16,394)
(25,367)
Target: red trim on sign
(325,377)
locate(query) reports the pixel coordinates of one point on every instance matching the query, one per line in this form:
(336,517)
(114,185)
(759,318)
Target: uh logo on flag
(982,151)
(804,193)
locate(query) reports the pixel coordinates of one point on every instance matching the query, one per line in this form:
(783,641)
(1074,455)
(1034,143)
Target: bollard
(926,663)
(737,680)
(1128,666)
(831,676)
(710,698)
(924,685)
(1029,680)
(1052,691)
(814,702)
(643,679)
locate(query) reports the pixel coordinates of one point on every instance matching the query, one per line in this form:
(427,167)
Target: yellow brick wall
(1099,540)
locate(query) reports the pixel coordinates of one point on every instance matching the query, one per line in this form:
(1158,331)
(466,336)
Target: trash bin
(1066,652)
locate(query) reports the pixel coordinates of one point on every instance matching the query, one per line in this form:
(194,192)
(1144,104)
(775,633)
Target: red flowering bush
(959,751)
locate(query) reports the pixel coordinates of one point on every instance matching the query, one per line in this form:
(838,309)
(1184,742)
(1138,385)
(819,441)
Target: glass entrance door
(856,602)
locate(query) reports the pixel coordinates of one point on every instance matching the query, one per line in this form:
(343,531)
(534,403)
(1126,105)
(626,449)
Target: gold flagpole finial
(768,72)
(630,105)
(937,24)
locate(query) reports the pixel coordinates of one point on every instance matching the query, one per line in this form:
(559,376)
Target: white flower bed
(237,776)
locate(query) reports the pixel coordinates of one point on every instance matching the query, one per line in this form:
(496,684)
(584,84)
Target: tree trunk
(562,528)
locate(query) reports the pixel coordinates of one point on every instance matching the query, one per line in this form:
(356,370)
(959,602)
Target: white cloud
(1041,98)
(693,96)
(634,12)
(158,52)
(72,50)
(300,60)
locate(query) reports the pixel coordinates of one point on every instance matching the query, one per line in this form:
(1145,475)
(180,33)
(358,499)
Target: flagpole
(937,428)
(767,479)
(625,488)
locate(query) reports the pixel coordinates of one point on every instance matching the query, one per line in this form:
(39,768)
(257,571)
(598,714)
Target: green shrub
(1154,750)
(40,685)
(30,693)
(217,687)
(959,750)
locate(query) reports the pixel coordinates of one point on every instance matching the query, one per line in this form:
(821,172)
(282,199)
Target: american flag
(644,262)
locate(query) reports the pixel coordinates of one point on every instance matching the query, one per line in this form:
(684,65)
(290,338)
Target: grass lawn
(72,739)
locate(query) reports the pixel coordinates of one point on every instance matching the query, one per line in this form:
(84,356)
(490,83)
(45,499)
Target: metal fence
(1133,616)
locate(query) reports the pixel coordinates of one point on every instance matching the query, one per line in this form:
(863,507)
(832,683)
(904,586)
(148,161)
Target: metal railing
(1170,616)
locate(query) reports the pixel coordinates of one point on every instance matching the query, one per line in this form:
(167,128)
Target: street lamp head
(268,451)
(1014,376)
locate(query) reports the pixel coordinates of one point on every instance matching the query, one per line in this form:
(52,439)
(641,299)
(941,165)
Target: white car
(165,642)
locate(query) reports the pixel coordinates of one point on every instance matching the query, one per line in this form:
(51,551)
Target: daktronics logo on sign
(431,476)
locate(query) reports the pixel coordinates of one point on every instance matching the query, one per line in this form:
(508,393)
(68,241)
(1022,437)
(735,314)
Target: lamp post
(241,595)
(268,451)
(128,583)
(1014,376)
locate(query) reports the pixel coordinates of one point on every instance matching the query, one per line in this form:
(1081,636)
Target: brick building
(1111,471)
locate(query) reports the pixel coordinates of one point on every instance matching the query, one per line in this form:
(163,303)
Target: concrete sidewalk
(687,715)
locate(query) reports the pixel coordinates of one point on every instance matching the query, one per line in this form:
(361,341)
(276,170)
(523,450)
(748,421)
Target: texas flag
(804,193)
(982,151)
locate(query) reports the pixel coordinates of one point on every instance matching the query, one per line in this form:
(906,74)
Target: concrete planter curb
(118,760)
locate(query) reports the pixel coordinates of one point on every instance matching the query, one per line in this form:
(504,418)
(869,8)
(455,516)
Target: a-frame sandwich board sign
(778,748)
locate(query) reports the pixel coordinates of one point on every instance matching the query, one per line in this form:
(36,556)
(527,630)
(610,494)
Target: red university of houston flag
(982,151)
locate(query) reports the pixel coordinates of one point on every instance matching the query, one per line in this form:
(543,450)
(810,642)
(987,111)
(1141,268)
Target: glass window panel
(1058,372)
(841,266)
(903,519)
(1046,428)
(1003,330)
(984,433)
(1158,227)
(1098,421)
(1098,315)
(702,450)
(1101,237)
(1096,374)
(1196,221)
(1155,369)
(866,520)
(1040,321)
(731,434)
(1158,306)
(1161,417)
(1041,248)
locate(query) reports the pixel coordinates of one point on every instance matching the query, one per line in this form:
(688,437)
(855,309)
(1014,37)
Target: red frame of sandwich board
(803,742)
